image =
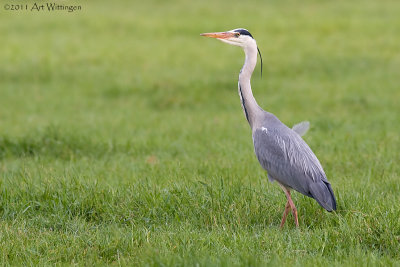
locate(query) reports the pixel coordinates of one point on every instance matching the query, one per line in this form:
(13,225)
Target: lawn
(122,139)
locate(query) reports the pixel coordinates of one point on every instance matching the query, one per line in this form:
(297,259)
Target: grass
(122,140)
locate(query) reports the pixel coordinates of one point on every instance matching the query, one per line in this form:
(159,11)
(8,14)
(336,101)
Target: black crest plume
(260,59)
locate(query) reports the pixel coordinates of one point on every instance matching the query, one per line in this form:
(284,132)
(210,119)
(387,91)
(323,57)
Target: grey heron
(280,150)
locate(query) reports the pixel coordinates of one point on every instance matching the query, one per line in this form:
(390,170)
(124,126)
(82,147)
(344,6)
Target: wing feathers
(290,161)
(323,194)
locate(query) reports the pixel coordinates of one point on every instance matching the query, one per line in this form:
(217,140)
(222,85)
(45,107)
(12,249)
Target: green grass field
(122,139)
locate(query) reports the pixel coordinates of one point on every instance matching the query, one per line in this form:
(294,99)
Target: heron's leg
(294,212)
(291,205)
(285,213)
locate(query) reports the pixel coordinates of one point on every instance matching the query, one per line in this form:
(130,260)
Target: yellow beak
(220,35)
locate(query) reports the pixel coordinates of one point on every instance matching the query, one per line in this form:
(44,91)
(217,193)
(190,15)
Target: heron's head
(237,37)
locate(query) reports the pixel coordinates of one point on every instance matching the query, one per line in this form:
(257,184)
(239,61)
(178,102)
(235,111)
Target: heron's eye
(237,34)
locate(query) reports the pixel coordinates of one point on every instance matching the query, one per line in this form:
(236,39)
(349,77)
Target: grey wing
(301,128)
(290,161)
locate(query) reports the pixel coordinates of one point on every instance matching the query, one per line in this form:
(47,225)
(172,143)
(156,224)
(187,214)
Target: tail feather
(322,192)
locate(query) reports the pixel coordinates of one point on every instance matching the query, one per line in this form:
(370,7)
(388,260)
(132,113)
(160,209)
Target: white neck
(249,104)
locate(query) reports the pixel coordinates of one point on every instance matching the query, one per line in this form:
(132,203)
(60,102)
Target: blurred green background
(122,139)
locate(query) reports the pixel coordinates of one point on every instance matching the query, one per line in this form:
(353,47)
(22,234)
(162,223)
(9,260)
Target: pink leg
(289,205)
(285,213)
(294,211)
